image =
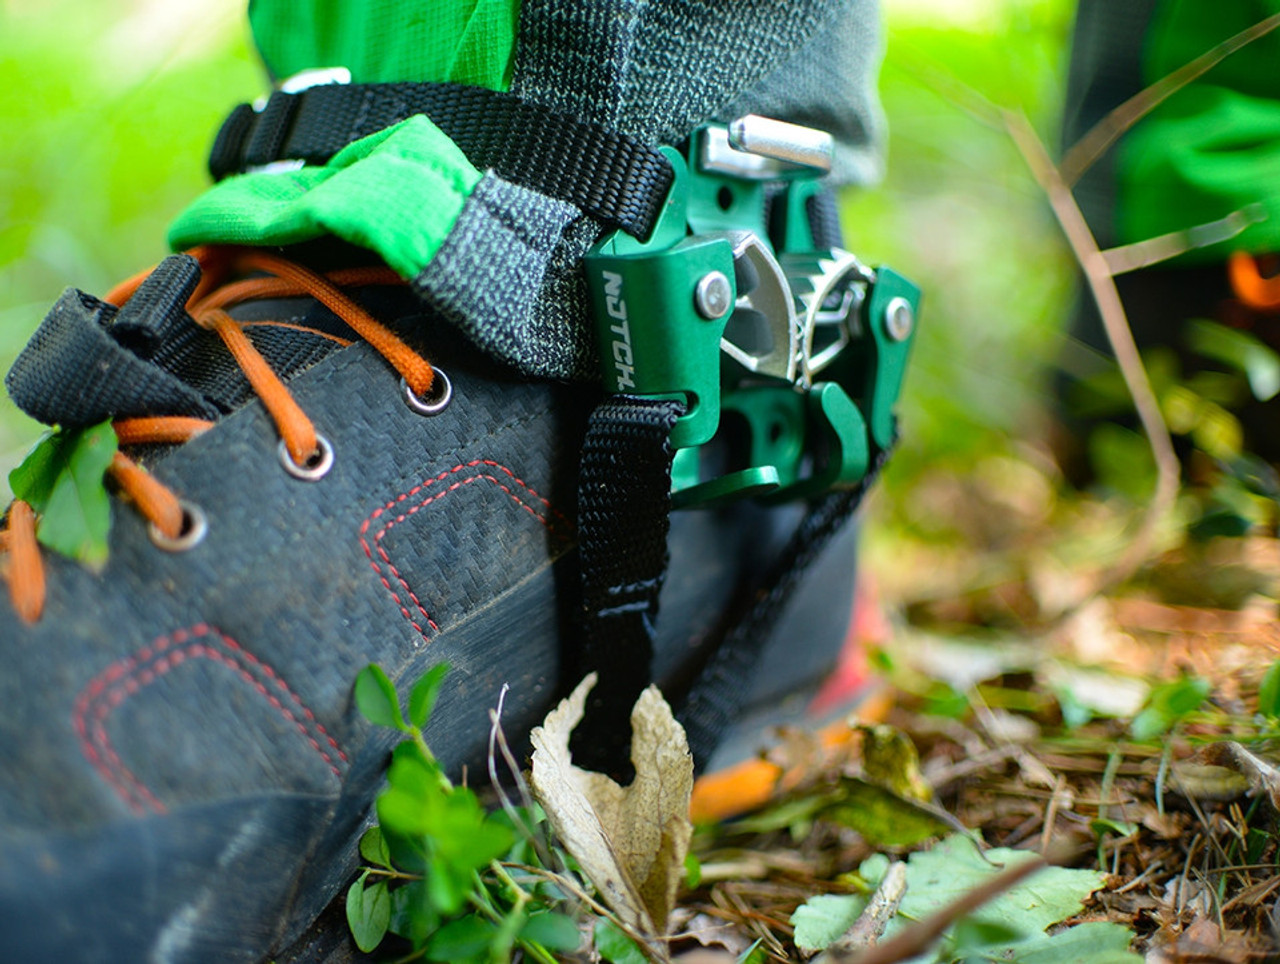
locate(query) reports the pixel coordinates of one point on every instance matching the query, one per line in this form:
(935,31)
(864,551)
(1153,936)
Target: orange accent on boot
(748,785)
(26,570)
(1249,285)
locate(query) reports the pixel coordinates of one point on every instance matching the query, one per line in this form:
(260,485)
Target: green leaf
(1239,350)
(971,935)
(1123,462)
(873,869)
(508,931)
(1269,691)
(1096,942)
(615,946)
(555,932)
(944,700)
(463,939)
(368,913)
(890,760)
(880,660)
(412,916)
(1075,714)
(692,871)
(422,698)
(1258,840)
(954,867)
(62,480)
(373,848)
(881,816)
(376,699)
(465,836)
(822,919)
(34,478)
(1102,825)
(1168,704)
(445,891)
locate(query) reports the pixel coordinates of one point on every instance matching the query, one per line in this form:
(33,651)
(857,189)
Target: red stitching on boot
(126,677)
(551,524)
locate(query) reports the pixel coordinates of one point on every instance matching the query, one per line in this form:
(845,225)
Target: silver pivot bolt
(713,296)
(899,319)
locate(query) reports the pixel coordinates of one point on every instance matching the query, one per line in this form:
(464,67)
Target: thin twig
(1102,135)
(1137,881)
(1051,814)
(1143,254)
(866,930)
(1162,774)
(1103,288)
(1108,778)
(917,938)
(571,886)
(498,739)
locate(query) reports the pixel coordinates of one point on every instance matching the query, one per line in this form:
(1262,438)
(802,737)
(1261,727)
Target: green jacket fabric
(1211,149)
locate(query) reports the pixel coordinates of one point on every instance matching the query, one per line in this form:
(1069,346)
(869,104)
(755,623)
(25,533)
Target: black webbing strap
(608,175)
(624,504)
(715,699)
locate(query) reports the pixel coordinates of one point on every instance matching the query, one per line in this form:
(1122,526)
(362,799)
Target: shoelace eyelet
(434,403)
(195,526)
(315,468)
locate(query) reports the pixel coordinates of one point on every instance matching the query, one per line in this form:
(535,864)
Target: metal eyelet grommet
(434,403)
(315,468)
(194,528)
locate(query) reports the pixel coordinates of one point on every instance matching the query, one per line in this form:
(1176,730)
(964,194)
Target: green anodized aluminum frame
(794,440)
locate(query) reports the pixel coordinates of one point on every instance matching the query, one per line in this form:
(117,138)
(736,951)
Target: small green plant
(452,881)
(1167,705)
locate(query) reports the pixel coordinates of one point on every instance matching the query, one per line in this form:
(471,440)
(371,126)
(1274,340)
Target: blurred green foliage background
(110,106)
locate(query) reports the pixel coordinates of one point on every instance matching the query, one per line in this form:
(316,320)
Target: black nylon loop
(610,176)
(624,504)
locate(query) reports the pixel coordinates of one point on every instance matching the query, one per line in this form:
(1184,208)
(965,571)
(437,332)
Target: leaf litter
(1136,740)
(1145,768)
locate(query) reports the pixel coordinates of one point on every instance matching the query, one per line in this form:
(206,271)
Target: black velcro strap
(610,176)
(715,699)
(624,504)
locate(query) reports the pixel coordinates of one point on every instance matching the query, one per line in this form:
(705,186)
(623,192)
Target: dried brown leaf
(630,841)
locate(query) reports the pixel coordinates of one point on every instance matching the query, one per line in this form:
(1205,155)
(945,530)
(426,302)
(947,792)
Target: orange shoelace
(276,278)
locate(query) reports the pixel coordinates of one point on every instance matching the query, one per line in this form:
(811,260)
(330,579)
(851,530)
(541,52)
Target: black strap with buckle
(608,175)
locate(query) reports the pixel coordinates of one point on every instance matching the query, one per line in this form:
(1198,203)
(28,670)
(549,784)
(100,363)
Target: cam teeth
(814,278)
